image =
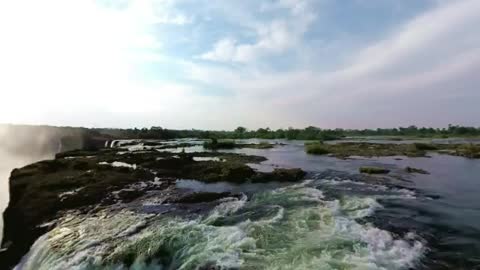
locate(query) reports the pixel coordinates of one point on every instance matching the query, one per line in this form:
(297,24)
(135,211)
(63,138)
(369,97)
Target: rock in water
(415,170)
(374,170)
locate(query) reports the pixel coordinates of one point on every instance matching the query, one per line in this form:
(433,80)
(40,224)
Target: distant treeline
(309,133)
(96,136)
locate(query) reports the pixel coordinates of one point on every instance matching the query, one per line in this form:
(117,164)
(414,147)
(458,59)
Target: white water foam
(386,192)
(119,164)
(200,159)
(305,232)
(65,194)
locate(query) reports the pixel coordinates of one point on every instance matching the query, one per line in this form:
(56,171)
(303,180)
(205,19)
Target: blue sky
(221,64)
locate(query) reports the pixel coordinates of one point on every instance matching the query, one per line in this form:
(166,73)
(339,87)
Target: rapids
(291,227)
(331,220)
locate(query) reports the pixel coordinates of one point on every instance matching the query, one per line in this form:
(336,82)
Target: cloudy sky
(218,64)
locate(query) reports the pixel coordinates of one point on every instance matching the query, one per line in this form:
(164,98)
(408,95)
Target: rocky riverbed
(88,182)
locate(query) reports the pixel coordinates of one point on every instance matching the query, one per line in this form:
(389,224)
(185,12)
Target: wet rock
(373,170)
(129,195)
(35,197)
(281,175)
(425,146)
(38,190)
(358,177)
(415,170)
(84,153)
(211,171)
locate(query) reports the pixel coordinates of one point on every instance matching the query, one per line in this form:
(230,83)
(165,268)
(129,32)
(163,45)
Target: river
(332,220)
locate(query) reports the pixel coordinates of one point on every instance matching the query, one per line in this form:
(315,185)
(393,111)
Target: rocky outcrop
(281,175)
(373,170)
(37,196)
(416,170)
(91,180)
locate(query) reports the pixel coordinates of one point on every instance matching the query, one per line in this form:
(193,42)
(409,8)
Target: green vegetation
(90,138)
(316,149)
(216,144)
(373,170)
(468,151)
(315,133)
(344,150)
(347,149)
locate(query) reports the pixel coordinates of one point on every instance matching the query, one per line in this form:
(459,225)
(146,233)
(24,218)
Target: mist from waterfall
(20,146)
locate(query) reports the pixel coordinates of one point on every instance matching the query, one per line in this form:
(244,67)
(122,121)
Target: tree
(240,130)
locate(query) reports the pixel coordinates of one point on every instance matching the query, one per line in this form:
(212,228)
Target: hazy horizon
(223,64)
(229,129)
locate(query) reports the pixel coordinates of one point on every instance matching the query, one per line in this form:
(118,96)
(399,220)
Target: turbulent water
(294,227)
(331,220)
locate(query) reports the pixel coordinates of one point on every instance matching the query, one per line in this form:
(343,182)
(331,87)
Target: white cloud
(273,37)
(224,50)
(80,71)
(60,59)
(432,57)
(438,34)
(157,12)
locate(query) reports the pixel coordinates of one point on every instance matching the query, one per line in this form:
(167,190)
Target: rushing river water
(332,220)
(445,211)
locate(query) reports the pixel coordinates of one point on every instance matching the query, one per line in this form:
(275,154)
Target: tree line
(308,133)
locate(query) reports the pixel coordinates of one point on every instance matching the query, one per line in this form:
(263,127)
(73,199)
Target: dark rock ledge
(88,181)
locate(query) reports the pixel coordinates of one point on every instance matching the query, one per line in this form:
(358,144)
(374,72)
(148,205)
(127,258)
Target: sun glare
(60,55)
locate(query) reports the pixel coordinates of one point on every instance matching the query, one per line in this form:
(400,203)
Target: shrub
(264,145)
(469,150)
(222,144)
(316,149)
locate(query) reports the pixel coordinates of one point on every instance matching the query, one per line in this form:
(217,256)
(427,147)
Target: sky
(219,64)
